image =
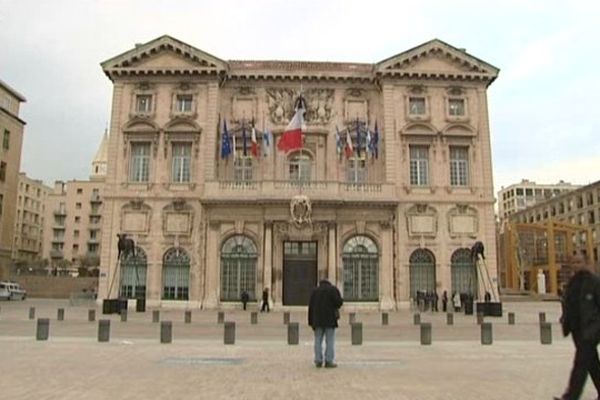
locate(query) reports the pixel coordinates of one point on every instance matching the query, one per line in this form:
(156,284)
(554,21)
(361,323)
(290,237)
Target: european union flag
(225,142)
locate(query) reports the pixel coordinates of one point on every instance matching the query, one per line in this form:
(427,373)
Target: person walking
(323,314)
(245,297)
(581,318)
(445,301)
(265,300)
(456,301)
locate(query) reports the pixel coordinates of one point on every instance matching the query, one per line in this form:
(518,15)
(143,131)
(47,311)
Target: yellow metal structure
(551,250)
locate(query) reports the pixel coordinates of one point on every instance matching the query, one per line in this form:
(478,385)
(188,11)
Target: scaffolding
(549,247)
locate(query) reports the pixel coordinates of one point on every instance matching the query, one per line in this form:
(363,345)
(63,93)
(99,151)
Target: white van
(4,291)
(15,291)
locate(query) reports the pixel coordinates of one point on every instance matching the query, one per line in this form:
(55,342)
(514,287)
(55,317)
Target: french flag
(254,146)
(349,148)
(292,136)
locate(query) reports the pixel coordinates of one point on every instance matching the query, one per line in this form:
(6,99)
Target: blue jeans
(329,334)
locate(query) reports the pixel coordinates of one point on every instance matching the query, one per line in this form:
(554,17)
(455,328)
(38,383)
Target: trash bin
(121,305)
(469,306)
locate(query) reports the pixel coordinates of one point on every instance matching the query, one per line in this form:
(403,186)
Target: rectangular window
(459,165)
(139,170)
(79,190)
(416,106)
(78,206)
(6,139)
(2,171)
(143,103)
(182,157)
(75,233)
(519,192)
(456,107)
(356,170)
(300,168)
(242,169)
(419,165)
(183,103)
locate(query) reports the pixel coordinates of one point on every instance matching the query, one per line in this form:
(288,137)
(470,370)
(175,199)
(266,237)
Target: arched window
(176,275)
(360,259)
(133,274)
(356,169)
(422,272)
(300,167)
(238,268)
(464,273)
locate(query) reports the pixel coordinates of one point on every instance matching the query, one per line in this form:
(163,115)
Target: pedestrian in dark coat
(581,319)
(245,297)
(445,301)
(265,300)
(323,315)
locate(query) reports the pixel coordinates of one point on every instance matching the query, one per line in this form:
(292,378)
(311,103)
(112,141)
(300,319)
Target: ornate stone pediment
(463,221)
(319,105)
(437,58)
(164,55)
(422,220)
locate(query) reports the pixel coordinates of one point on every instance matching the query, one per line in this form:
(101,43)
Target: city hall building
(391,188)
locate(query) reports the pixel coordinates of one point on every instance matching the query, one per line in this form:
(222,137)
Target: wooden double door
(299,271)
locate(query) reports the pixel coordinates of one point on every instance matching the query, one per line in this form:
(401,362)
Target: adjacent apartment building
(11,129)
(29,227)
(525,194)
(394,212)
(73,216)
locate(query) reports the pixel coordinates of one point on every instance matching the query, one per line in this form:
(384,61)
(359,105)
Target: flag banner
(376,141)
(349,148)
(225,142)
(338,142)
(291,139)
(369,143)
(357,138)
(267,140)
(244,141)
(254,146)
(234,146)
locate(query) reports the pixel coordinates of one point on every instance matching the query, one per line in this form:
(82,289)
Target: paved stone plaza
(391,364)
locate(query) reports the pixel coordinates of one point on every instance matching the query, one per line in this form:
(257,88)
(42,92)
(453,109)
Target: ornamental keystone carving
(319,105)
(300,210)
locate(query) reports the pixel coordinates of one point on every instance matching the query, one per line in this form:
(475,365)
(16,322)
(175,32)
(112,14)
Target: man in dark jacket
(581,318)
(323,313)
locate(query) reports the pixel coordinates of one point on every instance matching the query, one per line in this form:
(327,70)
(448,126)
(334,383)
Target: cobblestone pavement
(391,364)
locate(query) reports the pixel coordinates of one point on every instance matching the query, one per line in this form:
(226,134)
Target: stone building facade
(29,228)
(380,224)
(11,129)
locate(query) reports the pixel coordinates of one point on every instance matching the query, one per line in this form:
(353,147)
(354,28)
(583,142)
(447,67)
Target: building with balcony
(11,129)
(520,196)
(29,228)
(73,216)
(396,213)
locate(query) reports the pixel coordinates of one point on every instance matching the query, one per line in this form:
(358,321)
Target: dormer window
(143,103)
(417,106)
(183,103)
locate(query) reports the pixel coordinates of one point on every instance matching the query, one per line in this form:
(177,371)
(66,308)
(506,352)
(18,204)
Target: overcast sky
(544,106)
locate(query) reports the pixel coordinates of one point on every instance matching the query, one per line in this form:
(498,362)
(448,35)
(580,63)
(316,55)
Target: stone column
(332,255)
(268,260)
(386,267)
(211,284)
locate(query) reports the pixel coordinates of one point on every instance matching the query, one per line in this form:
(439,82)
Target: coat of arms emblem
(300,210)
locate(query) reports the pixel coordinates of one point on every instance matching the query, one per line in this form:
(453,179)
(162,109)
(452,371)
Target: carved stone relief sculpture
(422,220)
(319,105)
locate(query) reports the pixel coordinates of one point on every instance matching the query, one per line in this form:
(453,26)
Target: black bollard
(188,316)
(545,333)
(43,329)
(124,315)
(91,315)
(479,318)
(293,333)
(286,317)
(31,312)
(450,319)
(385,318)
(486,333)
(254,318)
(229,333)
(357,333)
(155,316)
(416,319)
(104,330)
(60,314)
(511,318)
(426,333)
(220,317)
(166,332)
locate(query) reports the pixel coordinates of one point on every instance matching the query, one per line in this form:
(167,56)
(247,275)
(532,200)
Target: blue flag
(225,142)
(375,141)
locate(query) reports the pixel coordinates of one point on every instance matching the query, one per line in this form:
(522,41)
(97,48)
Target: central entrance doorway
(299,272)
